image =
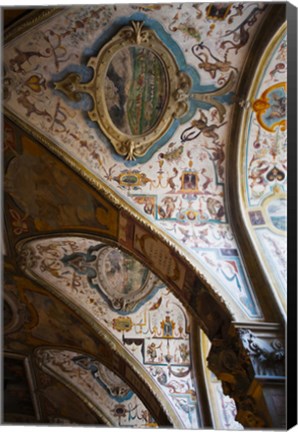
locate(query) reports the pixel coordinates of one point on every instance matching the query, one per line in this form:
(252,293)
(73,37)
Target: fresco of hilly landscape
(135,90)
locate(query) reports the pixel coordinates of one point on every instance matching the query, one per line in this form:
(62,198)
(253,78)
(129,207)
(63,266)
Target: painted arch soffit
(111,398)
(171,172)
(151,333)
(46,315)
(53,208)
(57,402)
(263,163)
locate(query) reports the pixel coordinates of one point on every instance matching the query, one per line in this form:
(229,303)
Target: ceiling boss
(138,90)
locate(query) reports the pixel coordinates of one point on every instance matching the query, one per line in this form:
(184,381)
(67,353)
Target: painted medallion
(135,90)
(120,273)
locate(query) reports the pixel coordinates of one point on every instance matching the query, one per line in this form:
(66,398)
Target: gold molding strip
(27,22)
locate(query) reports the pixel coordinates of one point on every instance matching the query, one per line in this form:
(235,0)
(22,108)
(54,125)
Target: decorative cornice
(259,327)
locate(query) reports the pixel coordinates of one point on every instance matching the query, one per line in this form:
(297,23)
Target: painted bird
(156,305)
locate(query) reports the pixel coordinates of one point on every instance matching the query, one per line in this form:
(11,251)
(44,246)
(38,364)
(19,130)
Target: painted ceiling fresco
(265,165)
(43,325)
(41,193)
(137,102)
(114,400)
(178,184)
(134,311)
(58,401)
(27,388)
(152,331)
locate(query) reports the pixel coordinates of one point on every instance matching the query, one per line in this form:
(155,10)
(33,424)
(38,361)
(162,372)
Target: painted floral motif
(271,107)
(267,147)
(18,222)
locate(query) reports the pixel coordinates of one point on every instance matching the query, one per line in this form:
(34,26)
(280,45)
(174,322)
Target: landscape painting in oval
(120,273)
(135,90)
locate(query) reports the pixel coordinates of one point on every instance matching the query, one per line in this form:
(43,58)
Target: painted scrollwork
(99,387)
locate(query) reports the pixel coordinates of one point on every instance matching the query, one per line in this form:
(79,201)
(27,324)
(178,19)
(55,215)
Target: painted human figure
(167,327)
(184,352)
(152,351)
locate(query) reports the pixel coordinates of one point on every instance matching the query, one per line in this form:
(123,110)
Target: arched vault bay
(184,204)
(45,321)
(178,266)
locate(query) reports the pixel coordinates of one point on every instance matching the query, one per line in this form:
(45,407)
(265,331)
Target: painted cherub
(152,351)
(184,352)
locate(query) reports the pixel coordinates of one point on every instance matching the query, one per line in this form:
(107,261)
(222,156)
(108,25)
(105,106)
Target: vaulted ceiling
(145,189)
